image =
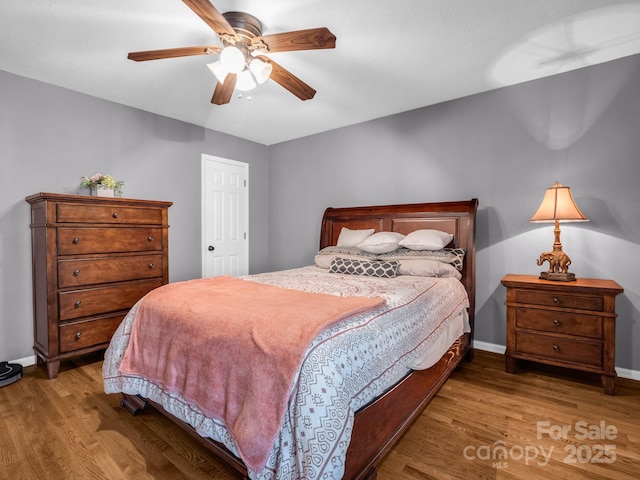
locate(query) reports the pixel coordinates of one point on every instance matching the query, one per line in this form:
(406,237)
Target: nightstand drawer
(559,322)
(563,300)
(82,213)
(560,349)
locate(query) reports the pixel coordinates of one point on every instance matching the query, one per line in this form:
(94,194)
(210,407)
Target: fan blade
(222,93)
(311,39)
(211,17)
(289,81)
(173,53)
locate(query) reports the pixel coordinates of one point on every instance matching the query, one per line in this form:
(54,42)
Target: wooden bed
(380,424)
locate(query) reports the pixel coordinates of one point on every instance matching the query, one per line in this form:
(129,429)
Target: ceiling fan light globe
(233,59)
(245,81)
(218,70)
(261,70)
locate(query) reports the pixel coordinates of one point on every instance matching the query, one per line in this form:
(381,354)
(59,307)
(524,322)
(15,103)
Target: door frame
(205,160)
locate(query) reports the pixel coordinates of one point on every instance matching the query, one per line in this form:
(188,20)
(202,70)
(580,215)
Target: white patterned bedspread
(343,369)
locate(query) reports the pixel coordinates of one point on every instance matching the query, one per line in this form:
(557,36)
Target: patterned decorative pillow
(374,268)
(352,251)
(454,256)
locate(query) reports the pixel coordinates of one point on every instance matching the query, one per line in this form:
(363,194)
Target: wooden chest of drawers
(569,324)
(93,258)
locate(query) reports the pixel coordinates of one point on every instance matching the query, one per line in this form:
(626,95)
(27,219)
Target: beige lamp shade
(558,205)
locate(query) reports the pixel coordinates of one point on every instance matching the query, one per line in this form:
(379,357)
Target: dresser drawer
(559,322)
(88,333)
(559,349)
(70,213)
(94,301)
(89,271)
(563,300)
(76,241)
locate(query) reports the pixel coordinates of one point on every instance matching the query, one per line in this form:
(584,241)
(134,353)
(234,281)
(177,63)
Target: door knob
(211,248)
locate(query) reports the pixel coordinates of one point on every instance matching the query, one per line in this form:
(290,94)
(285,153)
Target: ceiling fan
(243,63)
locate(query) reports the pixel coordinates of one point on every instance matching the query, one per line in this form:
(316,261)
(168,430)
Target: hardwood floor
(67,428)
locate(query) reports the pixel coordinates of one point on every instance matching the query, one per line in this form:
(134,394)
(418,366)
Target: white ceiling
(390,56)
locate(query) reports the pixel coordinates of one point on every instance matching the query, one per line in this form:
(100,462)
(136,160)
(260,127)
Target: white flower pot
(101,191)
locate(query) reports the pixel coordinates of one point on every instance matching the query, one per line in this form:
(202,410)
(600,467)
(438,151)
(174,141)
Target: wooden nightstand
(568,324)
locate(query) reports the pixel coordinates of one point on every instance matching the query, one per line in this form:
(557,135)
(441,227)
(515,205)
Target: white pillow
(423,267)
(351,238)
(426,239)
(381,242)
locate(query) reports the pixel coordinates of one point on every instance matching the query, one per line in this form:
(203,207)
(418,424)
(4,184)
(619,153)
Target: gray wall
(504,147)
(51,137)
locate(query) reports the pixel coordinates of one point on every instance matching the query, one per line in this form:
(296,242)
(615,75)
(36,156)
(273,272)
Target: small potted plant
(103,185)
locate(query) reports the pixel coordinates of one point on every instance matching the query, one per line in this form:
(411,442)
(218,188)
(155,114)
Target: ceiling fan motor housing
(245,25)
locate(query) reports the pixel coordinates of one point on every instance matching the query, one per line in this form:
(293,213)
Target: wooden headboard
(458,218)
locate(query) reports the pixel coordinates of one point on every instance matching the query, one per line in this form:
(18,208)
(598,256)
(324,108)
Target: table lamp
(557,206)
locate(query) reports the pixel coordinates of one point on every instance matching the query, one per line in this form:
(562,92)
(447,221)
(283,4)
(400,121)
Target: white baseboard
(492,347)
(628,373)
(26,361)
(487,347)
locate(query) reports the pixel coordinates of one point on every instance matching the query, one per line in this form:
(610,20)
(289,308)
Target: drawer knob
(76,273)
(115,215)
(149,238)
(77,304)
(78,335)
(556,322)
(150,266)
(556,348)
(76,241)
(556,300)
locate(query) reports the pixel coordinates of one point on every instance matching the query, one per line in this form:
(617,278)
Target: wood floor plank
(67,428)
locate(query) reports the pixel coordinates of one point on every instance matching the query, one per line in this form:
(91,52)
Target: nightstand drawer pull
(76,241)
(556,348)
(76,272)
(115,215)
(77,304)
(556,322)
(556,300)
(150,266)
(150,238)
(77,336)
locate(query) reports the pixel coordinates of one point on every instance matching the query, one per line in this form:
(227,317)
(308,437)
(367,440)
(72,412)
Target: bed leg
(469,355)
(133,403)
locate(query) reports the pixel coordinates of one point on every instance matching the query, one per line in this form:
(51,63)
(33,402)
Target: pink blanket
(232,347)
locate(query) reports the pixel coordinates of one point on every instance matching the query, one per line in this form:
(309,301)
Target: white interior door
(225,217)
